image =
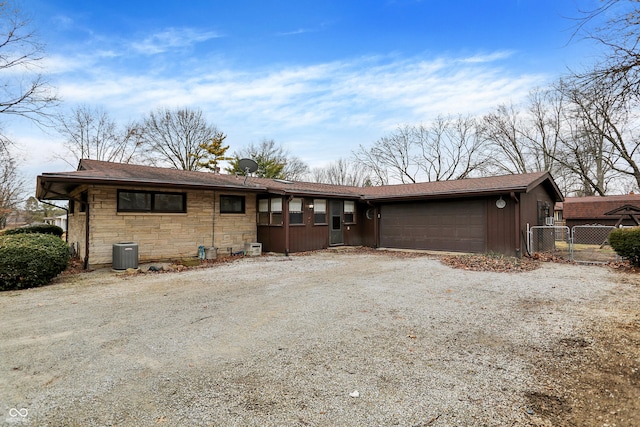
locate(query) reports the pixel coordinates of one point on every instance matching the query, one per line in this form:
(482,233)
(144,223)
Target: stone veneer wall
(163,236)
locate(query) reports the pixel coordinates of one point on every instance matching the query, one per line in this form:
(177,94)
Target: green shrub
(626,243)
(30,260)
(36,228)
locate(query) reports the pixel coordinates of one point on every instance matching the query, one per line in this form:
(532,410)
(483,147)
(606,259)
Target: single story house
(60,221)
(602,210)
(170,213)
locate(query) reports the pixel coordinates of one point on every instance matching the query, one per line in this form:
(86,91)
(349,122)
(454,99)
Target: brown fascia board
(81,180)
(315,193)
(445,194)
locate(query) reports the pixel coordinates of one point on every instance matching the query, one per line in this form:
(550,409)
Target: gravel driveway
(329,339)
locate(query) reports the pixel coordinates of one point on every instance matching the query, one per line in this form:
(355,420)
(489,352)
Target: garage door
(457,226)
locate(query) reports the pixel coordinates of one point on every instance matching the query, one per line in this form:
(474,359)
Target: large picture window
(232,204)
(149,201)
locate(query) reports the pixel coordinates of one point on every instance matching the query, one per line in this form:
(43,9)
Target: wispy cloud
(488,57)
(296,32)
(337,104)
(172,38)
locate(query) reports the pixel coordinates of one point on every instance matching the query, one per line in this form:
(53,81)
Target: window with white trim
(319,211)
(295,211)
(349,211)
(276,211)
(263,212)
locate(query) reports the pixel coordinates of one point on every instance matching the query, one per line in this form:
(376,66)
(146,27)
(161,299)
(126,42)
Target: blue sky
(318,77)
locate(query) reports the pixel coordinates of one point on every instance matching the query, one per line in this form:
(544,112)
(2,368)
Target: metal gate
(583,243)
(550,239)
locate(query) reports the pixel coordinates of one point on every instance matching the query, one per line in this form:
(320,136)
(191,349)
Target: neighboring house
(602,210)
(170,213)
(60,221)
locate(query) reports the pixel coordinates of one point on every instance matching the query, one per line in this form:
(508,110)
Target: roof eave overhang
(45,182)
(326,194)
(445,195)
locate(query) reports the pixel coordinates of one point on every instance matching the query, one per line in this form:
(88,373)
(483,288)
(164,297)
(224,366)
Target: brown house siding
(310,236)
(501,226)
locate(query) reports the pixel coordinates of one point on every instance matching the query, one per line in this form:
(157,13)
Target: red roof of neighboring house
(595,207)
(59,184)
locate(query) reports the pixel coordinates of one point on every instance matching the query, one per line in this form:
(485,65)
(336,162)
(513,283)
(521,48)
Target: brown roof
(470,186)
(596,207)
(58,185)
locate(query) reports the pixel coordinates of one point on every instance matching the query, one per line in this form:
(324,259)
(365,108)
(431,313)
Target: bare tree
(605,142)
(366,157)
(448,148)
(176,137)
(90,133)
(24,91)
(11,185)
(620,36)
(343,172)
(395,154)
(295,169)
(502,130)
(545,108)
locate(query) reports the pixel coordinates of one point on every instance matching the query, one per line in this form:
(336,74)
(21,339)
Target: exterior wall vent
(253,249)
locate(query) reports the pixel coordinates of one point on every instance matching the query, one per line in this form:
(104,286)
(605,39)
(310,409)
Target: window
(232,204)
(349,211)
(263,211)
(319,211)
(295,211)
(270,211)
(148,201)
(84,200)
(276,211)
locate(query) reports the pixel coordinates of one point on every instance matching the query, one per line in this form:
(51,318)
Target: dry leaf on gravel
(495,263)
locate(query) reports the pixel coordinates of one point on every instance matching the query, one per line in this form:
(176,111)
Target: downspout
(213,222)
(518,240)
(285,212)
(376,236)
(86,238)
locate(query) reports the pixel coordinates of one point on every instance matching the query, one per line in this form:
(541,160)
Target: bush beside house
(36,228)
(28,260)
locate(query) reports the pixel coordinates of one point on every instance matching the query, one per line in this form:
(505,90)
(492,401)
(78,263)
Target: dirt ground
(595,380)
(592,380)
(515,343)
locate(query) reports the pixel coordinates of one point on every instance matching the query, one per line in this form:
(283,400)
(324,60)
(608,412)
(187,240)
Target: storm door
(335,223)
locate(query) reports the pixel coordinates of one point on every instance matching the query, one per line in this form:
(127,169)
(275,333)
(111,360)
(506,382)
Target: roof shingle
(94,171)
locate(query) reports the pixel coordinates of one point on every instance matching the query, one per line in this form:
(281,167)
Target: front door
(335,225)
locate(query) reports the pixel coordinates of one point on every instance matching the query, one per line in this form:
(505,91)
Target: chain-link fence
(583,243)
(554,240)
(591,243)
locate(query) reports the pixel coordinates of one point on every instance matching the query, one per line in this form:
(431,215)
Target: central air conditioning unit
(549,221)
(125,255)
